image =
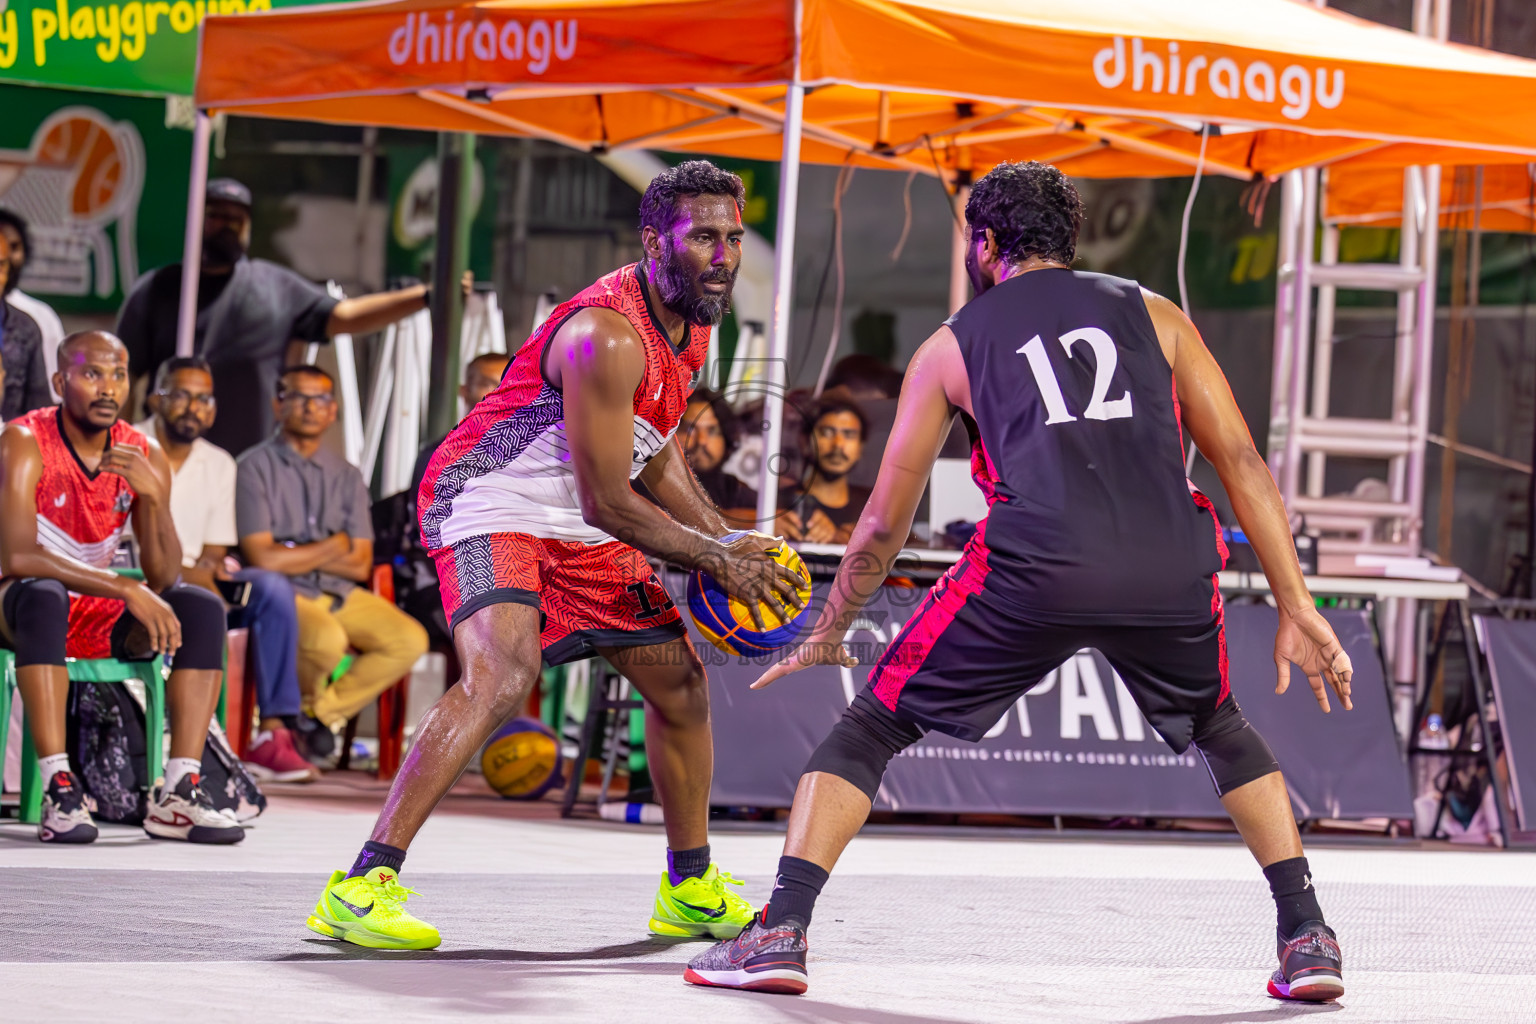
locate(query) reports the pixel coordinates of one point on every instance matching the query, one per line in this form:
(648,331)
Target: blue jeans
(273,622)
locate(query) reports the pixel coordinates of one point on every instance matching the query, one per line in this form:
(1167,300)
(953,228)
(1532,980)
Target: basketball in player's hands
(755,603)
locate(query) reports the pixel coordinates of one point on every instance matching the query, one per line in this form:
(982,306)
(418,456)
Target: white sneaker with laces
(185,813)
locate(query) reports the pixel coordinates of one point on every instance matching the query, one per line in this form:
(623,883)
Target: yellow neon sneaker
(370,911)
(700,907)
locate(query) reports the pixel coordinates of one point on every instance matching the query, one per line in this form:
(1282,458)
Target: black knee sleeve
(203,627)
(37,611)
(862,743)
(1234,752)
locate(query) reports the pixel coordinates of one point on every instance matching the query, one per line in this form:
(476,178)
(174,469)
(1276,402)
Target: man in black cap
(248,310)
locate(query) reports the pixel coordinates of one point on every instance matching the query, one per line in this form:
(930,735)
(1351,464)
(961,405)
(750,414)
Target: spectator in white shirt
(203,510)
(13,227)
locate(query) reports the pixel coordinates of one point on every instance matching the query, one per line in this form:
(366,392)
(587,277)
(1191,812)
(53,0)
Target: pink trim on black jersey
(944,601)
(984,472)
(1217,611)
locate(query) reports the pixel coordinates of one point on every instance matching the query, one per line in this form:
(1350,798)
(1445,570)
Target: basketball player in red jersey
(540,546)
(1076,389)
(74,475)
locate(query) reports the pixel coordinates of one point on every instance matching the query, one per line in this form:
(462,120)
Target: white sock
(176,767)
(52,764)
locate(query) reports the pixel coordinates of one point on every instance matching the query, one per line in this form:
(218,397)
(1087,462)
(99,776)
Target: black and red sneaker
(760,959)
(1311,966)
(66,815)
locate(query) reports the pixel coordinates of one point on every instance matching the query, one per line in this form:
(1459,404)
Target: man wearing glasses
(303,511)
(203,509)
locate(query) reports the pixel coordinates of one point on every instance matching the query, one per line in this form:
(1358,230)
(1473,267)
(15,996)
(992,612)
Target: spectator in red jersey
(73,476)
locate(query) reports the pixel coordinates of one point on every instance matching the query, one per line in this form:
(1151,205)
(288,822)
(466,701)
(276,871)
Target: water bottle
(633,813)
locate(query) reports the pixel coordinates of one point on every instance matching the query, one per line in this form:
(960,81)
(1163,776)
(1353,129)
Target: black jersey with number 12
(1081,453)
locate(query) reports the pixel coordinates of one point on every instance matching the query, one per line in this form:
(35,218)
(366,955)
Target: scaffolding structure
(1304,431)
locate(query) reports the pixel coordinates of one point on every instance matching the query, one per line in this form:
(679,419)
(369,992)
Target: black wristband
(426,296)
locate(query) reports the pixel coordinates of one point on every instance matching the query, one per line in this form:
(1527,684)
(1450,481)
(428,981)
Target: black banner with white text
(1076,744)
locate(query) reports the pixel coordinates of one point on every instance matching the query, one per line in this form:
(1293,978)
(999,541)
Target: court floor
(545,921)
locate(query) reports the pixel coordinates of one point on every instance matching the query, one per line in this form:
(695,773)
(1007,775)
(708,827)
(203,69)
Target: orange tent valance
(1374,198)
(1107,88)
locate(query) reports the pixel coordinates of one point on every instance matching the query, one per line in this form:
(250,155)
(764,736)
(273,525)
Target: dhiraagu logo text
(421,40)
(1177,69)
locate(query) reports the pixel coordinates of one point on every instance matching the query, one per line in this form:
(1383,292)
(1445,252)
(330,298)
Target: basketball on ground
(522,761)
(727,623)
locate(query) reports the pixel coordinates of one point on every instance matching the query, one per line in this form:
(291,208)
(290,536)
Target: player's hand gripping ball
(727,622)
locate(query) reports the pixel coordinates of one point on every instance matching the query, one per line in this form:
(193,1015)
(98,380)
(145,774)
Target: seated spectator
(303,511)
(709,433)
(480,378)
(21,350)
(203,509)
(825,507)
(13,228)
(864,378)
(248,310)
(74,477)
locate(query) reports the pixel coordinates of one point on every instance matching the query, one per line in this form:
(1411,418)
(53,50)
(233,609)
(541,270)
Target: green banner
(142,46)
(103,182)
(411,237)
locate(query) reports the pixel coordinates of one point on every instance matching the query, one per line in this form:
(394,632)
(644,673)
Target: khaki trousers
(387,642)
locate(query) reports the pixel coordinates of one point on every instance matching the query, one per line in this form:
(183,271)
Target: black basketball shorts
(966,656)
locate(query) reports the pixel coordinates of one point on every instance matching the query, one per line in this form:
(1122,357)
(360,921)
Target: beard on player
(684,293)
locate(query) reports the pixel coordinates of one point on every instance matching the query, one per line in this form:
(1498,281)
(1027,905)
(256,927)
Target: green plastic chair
(95,670)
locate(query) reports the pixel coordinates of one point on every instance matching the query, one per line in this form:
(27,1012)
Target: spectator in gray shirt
(303,511)
(247,313)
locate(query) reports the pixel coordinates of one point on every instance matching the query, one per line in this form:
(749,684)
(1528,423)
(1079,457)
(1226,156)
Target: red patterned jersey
(81,515)
(507,467)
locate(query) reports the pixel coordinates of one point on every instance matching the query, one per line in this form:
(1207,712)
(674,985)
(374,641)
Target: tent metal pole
(959,280)
(192,247)
(1301,324)
(455,178)
(1285,311)
(775,380)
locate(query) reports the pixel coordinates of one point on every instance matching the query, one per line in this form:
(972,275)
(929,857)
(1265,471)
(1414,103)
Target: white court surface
(545,921)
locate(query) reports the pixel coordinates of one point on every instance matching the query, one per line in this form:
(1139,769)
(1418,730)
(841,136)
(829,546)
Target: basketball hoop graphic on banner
(82,173)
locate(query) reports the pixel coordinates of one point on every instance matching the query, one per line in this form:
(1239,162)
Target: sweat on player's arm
(597,362)
(923,416)
(671,481)
(1210,414)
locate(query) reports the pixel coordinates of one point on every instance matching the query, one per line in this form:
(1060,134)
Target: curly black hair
(830,406)
(1032,208)
(658,207)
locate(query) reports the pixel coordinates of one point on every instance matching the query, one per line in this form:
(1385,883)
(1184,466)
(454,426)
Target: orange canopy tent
(1371,197)
(1110,88)
(1101,88)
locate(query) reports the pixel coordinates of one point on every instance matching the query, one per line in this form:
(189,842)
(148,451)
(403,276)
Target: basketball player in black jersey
(1076,389)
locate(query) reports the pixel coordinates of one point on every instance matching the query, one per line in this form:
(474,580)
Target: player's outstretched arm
(1213,420)
(597,361)
(923,415)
